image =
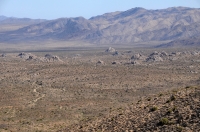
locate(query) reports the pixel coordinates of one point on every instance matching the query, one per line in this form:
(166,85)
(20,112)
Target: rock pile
(110,49)
(3,55)
(51,58)
(135,62)
(115,53)
(138,57)
(26,56)
(155,57)
(46,58)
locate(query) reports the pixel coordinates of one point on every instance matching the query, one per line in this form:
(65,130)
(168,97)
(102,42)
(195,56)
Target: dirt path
(38,95)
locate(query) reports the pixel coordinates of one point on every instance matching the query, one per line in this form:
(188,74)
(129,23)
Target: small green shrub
(187,87)
(174,108)
(163,121)
(168,101)
(154,108)
(169,111)
(179,128)
(160,94)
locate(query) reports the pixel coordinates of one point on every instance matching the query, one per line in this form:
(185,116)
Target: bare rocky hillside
(177,111)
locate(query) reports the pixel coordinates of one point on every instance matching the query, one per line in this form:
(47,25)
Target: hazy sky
(51,9)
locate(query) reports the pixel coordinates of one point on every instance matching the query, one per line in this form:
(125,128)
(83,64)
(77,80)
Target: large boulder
(138,57)
(26,56)
(155,53)
(100,62)
(156,57)
(49,58)
(23,55)
(164,54)
(3,55)
(135,62)
(195,53)
(115,53)
(110,49)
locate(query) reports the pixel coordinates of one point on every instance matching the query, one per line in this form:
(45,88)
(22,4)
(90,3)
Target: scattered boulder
(115,53)
(129,51)
(26,56)
(135,62)
(185,53)
(195,53)
(138,57)
(100,62)
(31,57)
(111,50)
(3,55)
(23,55)
(176,53)
(155,53)
(155,57)
(164,54)
(115,62)
(77,55)
(50,58)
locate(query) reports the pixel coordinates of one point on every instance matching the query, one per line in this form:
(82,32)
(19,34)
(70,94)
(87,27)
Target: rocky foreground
(177,110)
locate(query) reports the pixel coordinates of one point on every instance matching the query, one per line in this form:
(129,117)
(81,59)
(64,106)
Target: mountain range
(121,27)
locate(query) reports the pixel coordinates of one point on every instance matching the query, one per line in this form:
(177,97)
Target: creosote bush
(179,128)
(154,108)
(163,121)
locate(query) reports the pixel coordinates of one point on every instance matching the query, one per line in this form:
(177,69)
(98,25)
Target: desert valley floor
(53,90)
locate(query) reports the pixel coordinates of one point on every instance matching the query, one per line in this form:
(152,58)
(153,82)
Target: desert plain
(50,90)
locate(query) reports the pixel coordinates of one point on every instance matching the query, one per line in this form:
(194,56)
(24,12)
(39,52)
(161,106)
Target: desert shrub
(174,108)
(154,108)
(169,111)
(187,87)
(163,121)
(160,94)
(179,129)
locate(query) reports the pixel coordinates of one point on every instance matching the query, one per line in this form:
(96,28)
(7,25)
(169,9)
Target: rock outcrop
(110,49)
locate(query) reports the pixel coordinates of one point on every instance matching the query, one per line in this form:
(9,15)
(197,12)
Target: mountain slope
(193,41)
(61,29)
(138,24)
(127,27)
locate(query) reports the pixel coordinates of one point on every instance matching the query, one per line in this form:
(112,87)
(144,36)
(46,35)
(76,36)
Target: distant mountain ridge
(2,18)
(121,27)
(14,20)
